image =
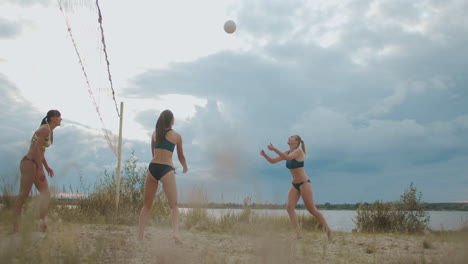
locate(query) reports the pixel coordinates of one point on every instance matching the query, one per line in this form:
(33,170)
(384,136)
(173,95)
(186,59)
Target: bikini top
(47,141)
(293,164)
(166,144)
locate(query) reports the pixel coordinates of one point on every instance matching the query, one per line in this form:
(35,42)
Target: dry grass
(110,243)
(93,232)
(233,238)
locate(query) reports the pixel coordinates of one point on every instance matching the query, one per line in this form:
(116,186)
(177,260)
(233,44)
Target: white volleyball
(229,26)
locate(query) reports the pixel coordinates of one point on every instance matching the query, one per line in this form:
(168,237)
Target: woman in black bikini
(32,169)
(161,169)
(301,185)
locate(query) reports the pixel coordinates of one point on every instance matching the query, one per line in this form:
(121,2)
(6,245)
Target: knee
(291,209)
(45,193)
(313,210)
(22,196)
(173,206)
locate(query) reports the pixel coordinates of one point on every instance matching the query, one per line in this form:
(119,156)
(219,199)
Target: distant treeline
(326,206)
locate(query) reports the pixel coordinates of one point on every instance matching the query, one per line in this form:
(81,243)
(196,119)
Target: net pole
(119,158)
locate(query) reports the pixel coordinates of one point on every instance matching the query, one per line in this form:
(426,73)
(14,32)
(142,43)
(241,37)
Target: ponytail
(303,147)
(164,122)
(160,132)
(46,120)
(301,143)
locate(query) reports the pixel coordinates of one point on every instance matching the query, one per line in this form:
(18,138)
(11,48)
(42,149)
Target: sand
(94,243)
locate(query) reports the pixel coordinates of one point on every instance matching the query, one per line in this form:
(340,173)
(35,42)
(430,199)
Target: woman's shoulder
(173,133)
(43,130)
(173,136)
(299,151)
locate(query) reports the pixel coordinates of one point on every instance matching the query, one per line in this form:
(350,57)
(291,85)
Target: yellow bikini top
(47,141)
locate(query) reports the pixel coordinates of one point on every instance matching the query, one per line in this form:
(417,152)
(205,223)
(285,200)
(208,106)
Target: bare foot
(329,235)
(42,226)
(177,239)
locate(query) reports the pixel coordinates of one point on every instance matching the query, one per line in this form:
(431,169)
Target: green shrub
(101,203)
(406,216)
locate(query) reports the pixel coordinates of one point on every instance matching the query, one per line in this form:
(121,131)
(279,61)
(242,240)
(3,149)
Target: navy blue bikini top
(293,164)
(166,144)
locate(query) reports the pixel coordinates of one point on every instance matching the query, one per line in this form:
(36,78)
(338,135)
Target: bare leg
(28,173)
(170,189)
(308,198)
(41,184)
(293,197)
(151,186)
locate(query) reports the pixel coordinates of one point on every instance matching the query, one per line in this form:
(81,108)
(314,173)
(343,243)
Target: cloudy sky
(377,89)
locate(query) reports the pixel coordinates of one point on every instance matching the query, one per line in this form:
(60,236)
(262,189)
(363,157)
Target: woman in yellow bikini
(32,169)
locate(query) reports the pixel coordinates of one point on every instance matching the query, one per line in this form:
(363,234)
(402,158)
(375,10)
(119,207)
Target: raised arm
(180,155)
(270,159)
(285,155)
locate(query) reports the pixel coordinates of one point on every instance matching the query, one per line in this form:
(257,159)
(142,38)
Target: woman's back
(162,153)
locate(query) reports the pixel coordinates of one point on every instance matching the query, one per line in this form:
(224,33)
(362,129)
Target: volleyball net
(84,23)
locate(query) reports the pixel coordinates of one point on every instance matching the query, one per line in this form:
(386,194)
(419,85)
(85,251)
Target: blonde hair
(301,143)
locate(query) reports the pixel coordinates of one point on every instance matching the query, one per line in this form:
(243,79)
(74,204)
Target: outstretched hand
(271,147)
(262,152)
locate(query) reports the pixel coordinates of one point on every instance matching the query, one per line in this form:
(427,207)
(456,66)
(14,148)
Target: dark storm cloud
(382,103)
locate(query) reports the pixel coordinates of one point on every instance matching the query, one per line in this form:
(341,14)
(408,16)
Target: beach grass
(262,240)
(91,230)
(246,237)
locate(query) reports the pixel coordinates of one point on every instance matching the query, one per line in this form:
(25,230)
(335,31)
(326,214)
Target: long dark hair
(46,120)
(164,122)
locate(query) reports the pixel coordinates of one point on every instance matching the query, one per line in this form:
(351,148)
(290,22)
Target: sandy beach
(101,243)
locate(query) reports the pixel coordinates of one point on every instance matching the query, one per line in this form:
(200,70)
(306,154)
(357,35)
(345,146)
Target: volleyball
(229,26)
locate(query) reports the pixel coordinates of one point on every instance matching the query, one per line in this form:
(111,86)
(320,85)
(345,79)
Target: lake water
(342,220)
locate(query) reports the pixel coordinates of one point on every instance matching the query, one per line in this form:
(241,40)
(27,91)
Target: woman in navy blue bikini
(301,185)
(161,169)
